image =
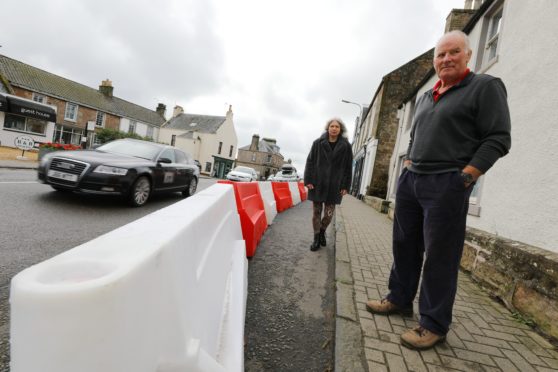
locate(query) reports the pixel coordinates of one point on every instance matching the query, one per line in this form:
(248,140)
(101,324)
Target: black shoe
(322,238)
(316,243)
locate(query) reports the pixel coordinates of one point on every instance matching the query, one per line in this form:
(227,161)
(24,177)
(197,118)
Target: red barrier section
(302,190)
(282,195)
(250,208)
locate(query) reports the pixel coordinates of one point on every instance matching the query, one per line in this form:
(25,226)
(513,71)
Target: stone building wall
(397,85)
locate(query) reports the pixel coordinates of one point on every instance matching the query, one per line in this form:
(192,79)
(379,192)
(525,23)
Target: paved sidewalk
(483,336)
(19,164)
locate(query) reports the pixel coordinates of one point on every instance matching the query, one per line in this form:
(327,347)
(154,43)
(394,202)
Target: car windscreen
(244,170)
(142,150)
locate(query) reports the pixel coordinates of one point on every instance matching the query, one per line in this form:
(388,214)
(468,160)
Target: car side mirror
(165,160)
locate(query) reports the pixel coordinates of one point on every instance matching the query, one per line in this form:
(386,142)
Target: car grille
(64,165)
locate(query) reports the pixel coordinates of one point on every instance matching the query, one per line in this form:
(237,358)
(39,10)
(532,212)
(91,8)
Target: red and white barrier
(268,200)
(164,293)
(295,192)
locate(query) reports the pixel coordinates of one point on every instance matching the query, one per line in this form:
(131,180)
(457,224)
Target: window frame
(26,123)
(484,60)
(231,151)
(220,148)
(132,127)
(40,98)
(103,117)
(75,111)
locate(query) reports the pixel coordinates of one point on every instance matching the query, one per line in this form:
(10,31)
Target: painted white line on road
(19,181)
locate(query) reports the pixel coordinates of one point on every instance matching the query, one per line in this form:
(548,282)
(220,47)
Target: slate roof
(40,81)
(265,146)
(203,123)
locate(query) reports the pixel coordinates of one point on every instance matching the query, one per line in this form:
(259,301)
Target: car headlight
(105,169)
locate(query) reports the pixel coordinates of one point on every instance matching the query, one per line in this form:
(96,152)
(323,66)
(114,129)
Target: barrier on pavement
(282,194)
(268,201)
(295,193)
(252,213)
(164,293)
(303,191)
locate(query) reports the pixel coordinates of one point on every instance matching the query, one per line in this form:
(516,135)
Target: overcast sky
(284,66)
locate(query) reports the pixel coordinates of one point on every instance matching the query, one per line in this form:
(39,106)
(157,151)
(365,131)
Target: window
(132,127)
(168,154)
(64,134)
(254,157)
(220,148)
(39,98)
(71,111)
(208,167)
(100,120)
(268,160)
(490,37)
(231,151)
(493,34)
(149,132)
(180,157)
(23,124)
(474,198)
(173,139)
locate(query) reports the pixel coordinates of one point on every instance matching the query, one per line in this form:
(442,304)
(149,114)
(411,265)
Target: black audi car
(132,168)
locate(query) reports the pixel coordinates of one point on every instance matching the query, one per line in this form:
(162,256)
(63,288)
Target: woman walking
(327,176)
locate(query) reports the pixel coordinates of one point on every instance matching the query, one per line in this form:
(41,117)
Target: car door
(167,178)
(184,168)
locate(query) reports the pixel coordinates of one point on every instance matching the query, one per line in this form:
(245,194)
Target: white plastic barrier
(295,192)
(165,293)
(268,200)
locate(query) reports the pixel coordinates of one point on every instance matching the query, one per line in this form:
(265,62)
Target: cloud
(283,65)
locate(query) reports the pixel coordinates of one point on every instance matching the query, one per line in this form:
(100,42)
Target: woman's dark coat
(330,171)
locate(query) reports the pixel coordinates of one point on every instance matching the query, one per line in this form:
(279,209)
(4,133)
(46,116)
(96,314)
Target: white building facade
(516,199)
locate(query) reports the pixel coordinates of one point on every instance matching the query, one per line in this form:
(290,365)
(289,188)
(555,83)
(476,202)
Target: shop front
(221,166)
(19,115)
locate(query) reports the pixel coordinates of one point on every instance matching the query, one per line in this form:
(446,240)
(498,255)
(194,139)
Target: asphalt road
(37,223)
(291,298)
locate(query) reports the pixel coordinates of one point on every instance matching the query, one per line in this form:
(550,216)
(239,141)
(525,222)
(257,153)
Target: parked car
(286,174)
(243,174)
(132,168)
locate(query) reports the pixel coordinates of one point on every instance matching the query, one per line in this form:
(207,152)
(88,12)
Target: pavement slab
(483,336)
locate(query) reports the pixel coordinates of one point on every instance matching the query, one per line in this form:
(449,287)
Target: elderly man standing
(460,128)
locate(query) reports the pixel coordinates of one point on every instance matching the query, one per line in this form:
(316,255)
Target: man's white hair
(461,34)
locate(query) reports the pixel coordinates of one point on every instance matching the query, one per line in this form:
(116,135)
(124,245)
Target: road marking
(19,181)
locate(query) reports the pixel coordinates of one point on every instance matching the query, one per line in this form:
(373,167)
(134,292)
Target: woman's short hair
(343,131)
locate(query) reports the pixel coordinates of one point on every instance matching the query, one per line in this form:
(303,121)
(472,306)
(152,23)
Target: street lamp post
(359,116)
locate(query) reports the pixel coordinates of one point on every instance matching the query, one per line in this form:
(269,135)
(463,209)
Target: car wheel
(191,189)
(140,192)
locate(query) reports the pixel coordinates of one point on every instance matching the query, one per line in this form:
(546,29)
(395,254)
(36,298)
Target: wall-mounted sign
(24,142)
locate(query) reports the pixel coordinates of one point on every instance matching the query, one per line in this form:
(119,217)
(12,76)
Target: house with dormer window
(72,111)
(211,140)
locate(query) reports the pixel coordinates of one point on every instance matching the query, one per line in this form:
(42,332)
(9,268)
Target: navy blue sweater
(468,125)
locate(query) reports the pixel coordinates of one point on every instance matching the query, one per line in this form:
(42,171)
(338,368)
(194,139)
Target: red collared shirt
(435,91)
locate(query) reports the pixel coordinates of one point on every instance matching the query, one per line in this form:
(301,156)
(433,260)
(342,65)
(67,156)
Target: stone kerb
(295,192)
(269,201)
(165,292)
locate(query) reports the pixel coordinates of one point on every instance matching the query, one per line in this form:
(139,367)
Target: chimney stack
(106,88)
(161,109)
(255,142)
(177,111)
(458,18)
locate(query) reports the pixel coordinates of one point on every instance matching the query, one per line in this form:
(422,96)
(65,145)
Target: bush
(107,134)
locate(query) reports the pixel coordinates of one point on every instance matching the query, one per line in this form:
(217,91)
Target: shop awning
(3,103)
(30,109)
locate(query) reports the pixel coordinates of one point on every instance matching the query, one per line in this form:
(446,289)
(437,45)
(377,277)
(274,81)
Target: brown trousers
(319,222)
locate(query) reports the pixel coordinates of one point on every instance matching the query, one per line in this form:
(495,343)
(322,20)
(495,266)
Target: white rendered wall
(518,196)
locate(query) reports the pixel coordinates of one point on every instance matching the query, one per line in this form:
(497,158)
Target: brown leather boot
(420,338)
(385,307)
